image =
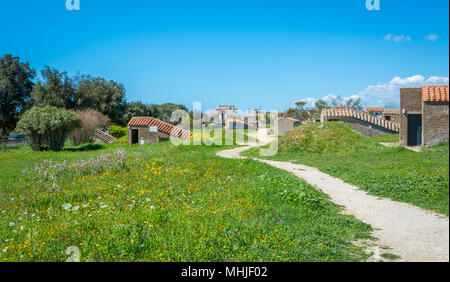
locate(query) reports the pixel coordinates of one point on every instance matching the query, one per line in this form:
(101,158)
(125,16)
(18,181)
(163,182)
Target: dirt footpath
(410,232)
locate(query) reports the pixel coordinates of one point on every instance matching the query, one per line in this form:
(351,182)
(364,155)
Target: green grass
(167,203)
(389,256)
(389,138)
(329,137)
(397,173)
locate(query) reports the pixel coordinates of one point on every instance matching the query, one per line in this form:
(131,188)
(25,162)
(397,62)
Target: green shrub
(117,131)
(48,127)
(122,140)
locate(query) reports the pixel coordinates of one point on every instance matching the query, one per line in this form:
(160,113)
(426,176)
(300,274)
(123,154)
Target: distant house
(147,130)
(376,111)
(224,112)
(286,125)
(424,115)
(392,115)
(362,122)
(235,123)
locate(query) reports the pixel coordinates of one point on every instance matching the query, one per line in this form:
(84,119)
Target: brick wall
(363,127)
(435,123)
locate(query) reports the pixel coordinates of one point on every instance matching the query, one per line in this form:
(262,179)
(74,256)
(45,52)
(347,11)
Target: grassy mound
(122,140)
(326,137)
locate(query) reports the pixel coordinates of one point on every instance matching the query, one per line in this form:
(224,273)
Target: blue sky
(251,53)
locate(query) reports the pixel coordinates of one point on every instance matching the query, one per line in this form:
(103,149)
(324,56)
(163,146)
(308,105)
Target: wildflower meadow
(164,203)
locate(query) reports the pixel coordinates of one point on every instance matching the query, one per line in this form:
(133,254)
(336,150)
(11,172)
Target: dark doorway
(134,136)
(387,117)
(414,130)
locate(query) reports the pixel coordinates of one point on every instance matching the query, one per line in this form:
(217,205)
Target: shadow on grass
(85,147)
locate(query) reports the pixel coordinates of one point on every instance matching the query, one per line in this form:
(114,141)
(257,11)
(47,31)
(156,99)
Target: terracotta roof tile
(103,136)
(435,93)
(162,126)
(391,111)
(234,120)
(380,109)
(289,118)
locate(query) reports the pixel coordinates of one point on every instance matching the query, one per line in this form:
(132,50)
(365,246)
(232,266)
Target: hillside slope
(326,137)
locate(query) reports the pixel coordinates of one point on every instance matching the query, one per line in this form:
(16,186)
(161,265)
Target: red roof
(435,93)
(376,109)
(289,118)
(162,126)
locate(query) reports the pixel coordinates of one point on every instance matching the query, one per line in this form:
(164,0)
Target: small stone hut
(151,130)
(286,125)
(424,115)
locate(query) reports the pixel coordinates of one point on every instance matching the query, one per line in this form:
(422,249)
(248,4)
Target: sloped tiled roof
(378,109)
(381,122)
(103,136)
(435,93)
(391,111)
(162,126)
(289,118)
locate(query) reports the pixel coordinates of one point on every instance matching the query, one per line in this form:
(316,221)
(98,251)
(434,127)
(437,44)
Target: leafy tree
(320,104)
(48,126)
(355,104)
(15,91)
(56,89)
(136,109)
(300,104)
(299,113)
(108,97)
(166,110)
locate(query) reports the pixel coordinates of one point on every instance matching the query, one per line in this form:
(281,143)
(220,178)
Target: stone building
(392,115)
(365,123)
(236,123)
(286,125)
(147,130)
(424,115)
(224,112)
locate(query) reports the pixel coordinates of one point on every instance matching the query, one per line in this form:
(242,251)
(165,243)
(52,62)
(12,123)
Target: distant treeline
(20,90)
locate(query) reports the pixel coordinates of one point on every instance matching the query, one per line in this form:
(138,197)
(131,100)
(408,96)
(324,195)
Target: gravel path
(410,232)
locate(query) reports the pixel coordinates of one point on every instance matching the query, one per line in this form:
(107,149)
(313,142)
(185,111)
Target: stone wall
(363,127)
(393,117)
(285,126)
(435,123)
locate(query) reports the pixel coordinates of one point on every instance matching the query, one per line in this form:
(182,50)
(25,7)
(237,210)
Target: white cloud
(437,80)
(390,91)
(432,37)
(351,97)
(397,38)
(385,92)
(328,98)
(309,102)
